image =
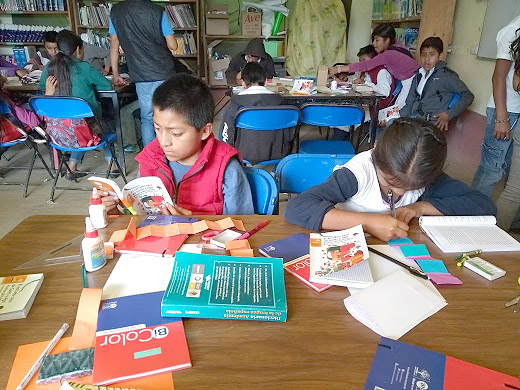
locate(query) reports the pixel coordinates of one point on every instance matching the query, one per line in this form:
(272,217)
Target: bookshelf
(423,18)
(93,19)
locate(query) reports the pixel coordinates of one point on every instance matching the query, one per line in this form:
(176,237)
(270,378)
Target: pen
(248,234)
(38,363)
(411,269)
(390,197)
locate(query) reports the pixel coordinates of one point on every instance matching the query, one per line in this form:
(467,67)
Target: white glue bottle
(97,211)
(93,248)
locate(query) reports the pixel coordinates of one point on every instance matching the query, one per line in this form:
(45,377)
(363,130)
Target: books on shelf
(399,365)
(133,340)
(14,33)
(224,287)
(396,9)
(97,39)
(339,258)
(94,16)
(33,5)
(185,44)
(466,233)
(17,294)
(181,16)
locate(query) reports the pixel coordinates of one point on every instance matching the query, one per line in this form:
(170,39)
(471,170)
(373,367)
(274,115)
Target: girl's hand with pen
(415,210)
(385,227)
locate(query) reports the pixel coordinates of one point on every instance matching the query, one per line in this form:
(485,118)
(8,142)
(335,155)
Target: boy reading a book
(403,170)
(433,88)
(202,175)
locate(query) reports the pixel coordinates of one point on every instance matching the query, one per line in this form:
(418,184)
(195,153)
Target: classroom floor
(73,202)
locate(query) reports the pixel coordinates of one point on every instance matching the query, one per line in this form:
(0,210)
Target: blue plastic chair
(397,90)
(330,115)
(266,118)
(263,189)
(297,173)
(73,108)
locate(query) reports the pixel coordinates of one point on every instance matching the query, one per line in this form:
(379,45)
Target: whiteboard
(498,14)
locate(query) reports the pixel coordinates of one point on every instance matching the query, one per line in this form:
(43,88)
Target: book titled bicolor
(224,287)
(402,366)
(134,340)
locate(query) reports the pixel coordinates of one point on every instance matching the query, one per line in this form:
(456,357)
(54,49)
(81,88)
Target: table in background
(319,347)
(114,95)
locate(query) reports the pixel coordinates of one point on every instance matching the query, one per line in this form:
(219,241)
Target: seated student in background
(43,57)
(254,52)
(67,75)
(255,146)
(433,87)
(203,175)
(407,161)
(393,55)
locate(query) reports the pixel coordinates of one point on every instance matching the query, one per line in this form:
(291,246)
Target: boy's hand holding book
(110,200)
(168,209)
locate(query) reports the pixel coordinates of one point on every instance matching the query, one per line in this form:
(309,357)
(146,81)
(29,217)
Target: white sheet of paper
(395,304)
(138,274)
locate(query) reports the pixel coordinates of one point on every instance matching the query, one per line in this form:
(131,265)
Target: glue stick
(93,248)
(97,211)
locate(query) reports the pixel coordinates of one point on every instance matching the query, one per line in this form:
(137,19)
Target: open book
(141,196)
(339,258)
(466,233)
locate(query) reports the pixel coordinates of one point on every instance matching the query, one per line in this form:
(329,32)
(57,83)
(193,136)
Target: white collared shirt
(255,89)
(424,79)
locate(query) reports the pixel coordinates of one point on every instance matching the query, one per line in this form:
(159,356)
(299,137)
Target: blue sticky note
(400,241)
(432,266)
(417,250)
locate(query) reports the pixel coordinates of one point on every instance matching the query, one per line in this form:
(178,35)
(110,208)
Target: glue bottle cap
(95,199)
(90,232)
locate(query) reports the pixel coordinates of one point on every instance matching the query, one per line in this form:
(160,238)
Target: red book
(161,246)
(300,268)
(133,340)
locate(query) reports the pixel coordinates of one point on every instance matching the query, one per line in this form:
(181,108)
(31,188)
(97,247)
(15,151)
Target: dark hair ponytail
(515,51)
(59,66)
(384,31)
(412,152)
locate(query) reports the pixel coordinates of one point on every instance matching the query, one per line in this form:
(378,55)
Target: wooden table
(319,347)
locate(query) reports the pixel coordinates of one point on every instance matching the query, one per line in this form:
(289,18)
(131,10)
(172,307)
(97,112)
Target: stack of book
(96,39)
(23,33)
(32,5)
(396,9)
(181,16)
(95,16)
(185,44)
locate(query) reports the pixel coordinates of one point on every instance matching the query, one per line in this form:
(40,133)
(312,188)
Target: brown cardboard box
(217,71)
(217,19)
(252,24)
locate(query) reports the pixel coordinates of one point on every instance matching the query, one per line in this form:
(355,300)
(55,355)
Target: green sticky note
(148,352)
(417,250)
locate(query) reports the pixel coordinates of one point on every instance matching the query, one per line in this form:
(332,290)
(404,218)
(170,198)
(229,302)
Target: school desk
(319,347)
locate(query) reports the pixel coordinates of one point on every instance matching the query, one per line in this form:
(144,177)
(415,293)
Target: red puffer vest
(200,190)
(373,76)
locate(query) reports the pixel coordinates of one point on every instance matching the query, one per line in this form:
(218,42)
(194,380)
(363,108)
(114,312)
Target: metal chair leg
(31,165)
(62,160)
(43,162)
(114,159)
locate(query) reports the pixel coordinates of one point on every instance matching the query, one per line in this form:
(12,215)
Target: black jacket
(256,48)
(254,145)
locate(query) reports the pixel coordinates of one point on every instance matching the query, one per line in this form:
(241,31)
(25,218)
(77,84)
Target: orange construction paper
(84,333)
(182,228)
(27,354)
(120,235)
(242,253)
(237,244)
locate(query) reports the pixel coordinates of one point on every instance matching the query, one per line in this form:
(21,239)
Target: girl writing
(406,165)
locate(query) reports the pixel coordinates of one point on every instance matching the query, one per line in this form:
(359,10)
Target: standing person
(503,109)
(508,203)
(146,36)
(393,55)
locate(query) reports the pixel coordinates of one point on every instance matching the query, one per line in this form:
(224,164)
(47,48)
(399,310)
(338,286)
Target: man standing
(145,34)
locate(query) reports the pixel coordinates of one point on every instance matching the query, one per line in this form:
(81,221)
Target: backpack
(8,131)
(71,133)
